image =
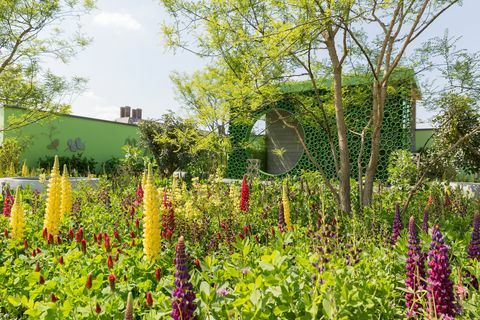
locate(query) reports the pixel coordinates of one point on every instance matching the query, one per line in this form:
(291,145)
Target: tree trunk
(379,97)
(344,166)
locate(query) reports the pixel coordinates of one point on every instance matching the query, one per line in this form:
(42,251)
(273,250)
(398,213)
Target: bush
(76,163)
(10,153)
(402,171)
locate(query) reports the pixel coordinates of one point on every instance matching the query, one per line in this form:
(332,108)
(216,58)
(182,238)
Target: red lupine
(168,219)
(158,274)
(70,234)
(137,223)
(116,235)
(79,235)
(98,309)
(149,299)
(84,245)
(45,233)
(50,238)
(8,203)
(139,195)
(109,262)
(60,260)
(41,280)
(59,239)
(25,244)
(5,233)
(54,298)
(107,242)
(88,284)
(425,220)
(244,195)
(111,280)
(37,266)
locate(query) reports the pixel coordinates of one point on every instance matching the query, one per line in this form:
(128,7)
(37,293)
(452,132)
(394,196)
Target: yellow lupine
(52,210)
(17,218)
(286,206)
(66,186)
(144,180)
(151,229)
(24,169)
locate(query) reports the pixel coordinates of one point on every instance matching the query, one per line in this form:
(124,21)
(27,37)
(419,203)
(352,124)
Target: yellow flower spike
(66,200)
(24,169)
(286,206)
(17,218)
(52,210)
(144,179)
(151,229)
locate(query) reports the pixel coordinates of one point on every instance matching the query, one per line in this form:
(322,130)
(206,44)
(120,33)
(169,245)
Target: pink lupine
(474,245)
(439,286)
(415,271)
(244,195)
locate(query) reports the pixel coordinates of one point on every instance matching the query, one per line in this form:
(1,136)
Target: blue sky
(128,64)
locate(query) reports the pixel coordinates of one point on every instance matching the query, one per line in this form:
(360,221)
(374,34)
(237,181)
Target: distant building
(66,135)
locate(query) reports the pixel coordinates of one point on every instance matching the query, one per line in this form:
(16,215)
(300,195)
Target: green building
(66,135)
(276,138)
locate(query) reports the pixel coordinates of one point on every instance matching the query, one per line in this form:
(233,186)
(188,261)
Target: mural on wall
(75,145)
(54,142)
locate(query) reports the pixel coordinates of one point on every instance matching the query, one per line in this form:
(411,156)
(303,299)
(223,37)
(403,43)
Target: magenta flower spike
(397,224)
(440,294)
(474,245)
(183,306)
(415,271)
(244,195)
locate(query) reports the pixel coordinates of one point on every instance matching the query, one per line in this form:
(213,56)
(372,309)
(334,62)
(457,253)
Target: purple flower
(425,220)
(397,224)
(183,295)
(222,292)
(474,245)
(281,218)
(439,286)
(415,271)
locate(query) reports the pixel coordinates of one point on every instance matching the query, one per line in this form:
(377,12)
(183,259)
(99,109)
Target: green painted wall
(66,135)
(421,137)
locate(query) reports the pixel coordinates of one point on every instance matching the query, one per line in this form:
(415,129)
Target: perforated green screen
(396,131)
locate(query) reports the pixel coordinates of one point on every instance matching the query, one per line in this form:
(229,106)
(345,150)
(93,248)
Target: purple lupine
(425,220)
(281,217)
(474,245)
(397,224)
(439,286)
(415,271)
(183,295)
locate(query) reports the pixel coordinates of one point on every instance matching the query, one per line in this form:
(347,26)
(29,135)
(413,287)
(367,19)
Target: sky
(127,62)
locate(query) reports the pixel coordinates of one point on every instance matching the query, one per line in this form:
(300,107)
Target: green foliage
(266,275)
(402,170)
(10,152)
(77,164)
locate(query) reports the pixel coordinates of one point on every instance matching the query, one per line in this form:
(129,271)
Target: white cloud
(89,104)
(117,20)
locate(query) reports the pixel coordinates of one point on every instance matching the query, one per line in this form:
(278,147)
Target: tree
(263,44)
(31,30)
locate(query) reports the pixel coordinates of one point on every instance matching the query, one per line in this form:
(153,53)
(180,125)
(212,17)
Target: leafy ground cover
(251,253)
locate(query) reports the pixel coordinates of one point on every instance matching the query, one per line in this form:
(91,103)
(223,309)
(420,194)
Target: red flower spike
(70,234)
(60,260)
(111,280)
(116,235)
(137,223)
(39,250)
(25,244)
(59,239)
(132,234)
(5,233)
(149,299)
(45,233)
(50,238)
(107,243)
(54,298)
(158,274)
(244,195)
(34,253)
(98,309)
(109,262)
(37,267)
(41,280)
(94,237)
(79,235)
(88,284)
(197,263)
(84,246)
